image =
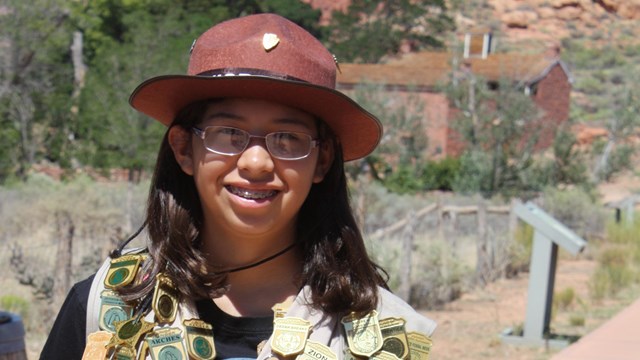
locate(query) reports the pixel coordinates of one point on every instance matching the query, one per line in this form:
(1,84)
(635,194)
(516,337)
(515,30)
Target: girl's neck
(253,291)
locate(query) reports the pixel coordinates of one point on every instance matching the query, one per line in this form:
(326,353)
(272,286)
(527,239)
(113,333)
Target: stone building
(544,77)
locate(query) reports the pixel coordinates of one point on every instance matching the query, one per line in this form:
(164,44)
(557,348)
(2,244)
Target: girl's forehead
(256,113)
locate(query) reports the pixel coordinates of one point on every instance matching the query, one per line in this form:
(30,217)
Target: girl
(253,249)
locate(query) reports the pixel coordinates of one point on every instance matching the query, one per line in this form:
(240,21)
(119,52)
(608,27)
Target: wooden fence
(487,266)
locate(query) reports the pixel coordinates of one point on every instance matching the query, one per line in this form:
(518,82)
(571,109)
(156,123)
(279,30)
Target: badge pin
(419,345)
(166,344)
(96,345)
(384,355)
(316,351)
(363,334)
(289,335)
(200,344)
(125,353)
(394,337)
(270,41)
(128,332)
(112,309)
(122,271)
(165,299)
(279,310)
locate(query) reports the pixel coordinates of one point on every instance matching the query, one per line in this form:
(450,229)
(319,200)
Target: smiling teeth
(252,195)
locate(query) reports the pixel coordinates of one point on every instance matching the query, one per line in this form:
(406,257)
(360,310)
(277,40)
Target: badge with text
(199,339)
(384,355)
(96,347)
(124,353)
(363,334)
(112,309)
(289,335)
(122,271)
(395,338)
(166,344)
(165,299)
(419,345)
(128,332)
(316,351)
(279,310)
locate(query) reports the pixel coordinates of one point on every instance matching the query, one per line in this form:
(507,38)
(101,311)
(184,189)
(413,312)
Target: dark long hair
(337,267)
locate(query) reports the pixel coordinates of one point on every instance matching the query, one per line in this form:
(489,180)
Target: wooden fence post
(483,264)
(408,236)
(62,277)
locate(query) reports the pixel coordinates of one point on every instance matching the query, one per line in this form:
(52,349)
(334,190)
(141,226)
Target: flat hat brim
(359,131)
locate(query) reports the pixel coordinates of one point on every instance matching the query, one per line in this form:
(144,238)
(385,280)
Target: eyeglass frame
(201,133)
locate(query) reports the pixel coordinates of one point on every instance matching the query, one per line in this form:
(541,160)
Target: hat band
(248,72)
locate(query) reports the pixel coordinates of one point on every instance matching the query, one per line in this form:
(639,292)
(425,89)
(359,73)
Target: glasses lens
(226,140)
(289,145)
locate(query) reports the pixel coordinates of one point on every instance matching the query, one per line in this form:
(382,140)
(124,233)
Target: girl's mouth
(251,194)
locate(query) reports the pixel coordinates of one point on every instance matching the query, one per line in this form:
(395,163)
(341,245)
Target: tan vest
(325,329)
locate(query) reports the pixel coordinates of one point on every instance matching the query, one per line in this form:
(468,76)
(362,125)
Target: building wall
(553,97)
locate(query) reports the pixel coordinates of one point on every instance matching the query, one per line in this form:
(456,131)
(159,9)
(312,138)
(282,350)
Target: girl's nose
(256,158)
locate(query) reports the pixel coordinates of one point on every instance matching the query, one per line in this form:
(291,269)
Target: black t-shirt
(235,337)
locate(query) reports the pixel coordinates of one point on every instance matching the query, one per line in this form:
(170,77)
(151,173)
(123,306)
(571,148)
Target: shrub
(576,320)
(563,300)
(15,304)
(439,175)
(520,250)
(577,209)
(613,273)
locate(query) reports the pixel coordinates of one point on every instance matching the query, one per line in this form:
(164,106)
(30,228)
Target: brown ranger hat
(267,57)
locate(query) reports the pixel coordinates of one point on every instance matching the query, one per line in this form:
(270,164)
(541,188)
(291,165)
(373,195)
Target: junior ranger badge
(200,339)
(166,344)
(165,299)
(384,355)
(96,347)
(363,334)
(420,345)
(112,309)
(395,337)
(316,351)
(122,270)
(289,335)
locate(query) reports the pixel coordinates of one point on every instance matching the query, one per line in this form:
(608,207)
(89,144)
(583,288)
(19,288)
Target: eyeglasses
(283,145)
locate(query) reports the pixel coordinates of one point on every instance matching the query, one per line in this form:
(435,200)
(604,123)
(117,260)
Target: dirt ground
(470,327)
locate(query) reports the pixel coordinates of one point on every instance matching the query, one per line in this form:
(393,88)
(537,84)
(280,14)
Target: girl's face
(251,193)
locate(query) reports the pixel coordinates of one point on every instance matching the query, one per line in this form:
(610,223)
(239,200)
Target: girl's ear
(180,141)
(325,159)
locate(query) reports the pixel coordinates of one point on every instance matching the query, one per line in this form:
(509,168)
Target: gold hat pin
(270,41)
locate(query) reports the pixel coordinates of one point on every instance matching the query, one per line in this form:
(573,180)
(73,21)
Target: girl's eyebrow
(279,121)
(224,115)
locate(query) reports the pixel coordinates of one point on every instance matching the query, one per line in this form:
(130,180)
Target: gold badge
(363,334)
(112,309)
(200,339)
(279,310)
(384,355)
(419,345)
(96,347)
(316,351)
(289,335)
(270,41)
(166,344)
(128,332)
(165,299)
(122,271)
(124,353)
(395,339)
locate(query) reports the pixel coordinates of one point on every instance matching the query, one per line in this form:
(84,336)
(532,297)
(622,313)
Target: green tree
(370,30)
(498,126)
(398,159)
(35,82)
